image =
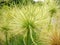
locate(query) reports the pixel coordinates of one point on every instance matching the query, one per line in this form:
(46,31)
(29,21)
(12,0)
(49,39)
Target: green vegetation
(26,22)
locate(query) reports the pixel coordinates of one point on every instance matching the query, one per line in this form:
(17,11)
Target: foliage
(28,23)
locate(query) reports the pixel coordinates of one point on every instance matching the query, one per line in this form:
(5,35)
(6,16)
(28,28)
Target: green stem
(32,38)
(28,37)
(6,36)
